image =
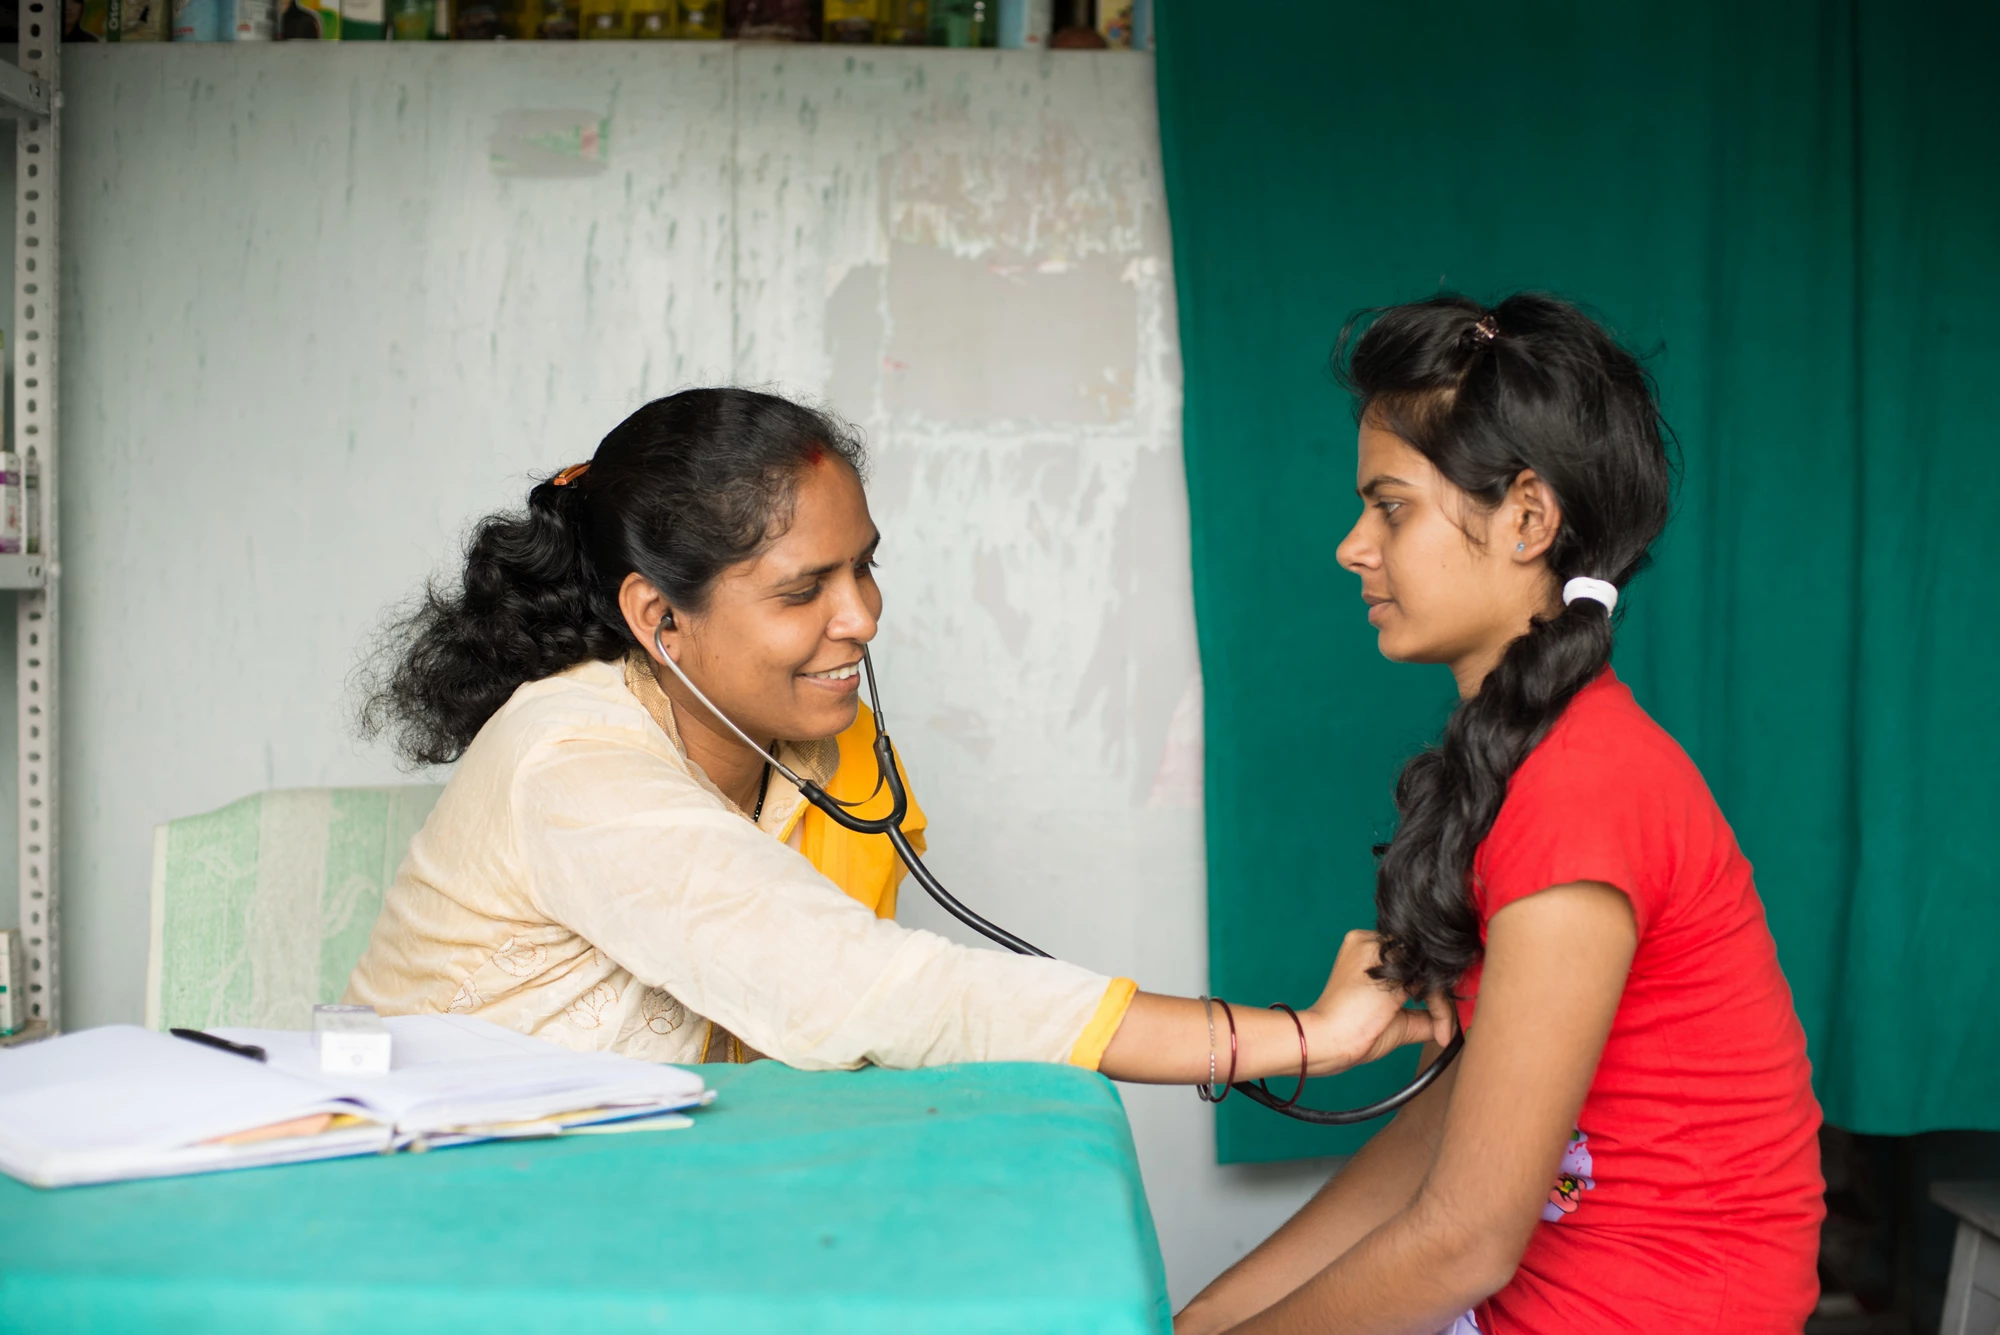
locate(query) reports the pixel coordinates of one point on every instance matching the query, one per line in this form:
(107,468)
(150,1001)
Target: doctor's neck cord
(886,775)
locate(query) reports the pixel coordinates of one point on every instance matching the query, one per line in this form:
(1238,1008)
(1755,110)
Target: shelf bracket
(28,93)
(21,93)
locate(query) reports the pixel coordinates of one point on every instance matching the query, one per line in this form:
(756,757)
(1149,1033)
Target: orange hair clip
(570,474)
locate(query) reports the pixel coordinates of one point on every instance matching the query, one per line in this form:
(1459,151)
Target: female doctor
(610,868)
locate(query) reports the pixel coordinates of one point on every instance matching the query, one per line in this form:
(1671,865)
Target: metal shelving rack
(29,95)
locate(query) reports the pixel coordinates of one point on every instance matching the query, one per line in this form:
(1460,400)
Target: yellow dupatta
(864,865)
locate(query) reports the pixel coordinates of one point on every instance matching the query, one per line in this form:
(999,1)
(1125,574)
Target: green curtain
(1794,206)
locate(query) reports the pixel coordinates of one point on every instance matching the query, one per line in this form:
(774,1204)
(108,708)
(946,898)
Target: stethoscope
(891,825)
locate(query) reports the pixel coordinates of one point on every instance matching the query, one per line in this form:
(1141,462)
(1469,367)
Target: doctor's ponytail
(681,490)
(1484,395)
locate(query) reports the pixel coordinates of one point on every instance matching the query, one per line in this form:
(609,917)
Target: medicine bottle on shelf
(851,21)
(11,530)
(904,23)
(31,503)
(653,19)
(412,20)
(700,20)
(1024,24)
(553,21)
(774,20)
(964,23)
(1076,27)
(13,516)
(605,20)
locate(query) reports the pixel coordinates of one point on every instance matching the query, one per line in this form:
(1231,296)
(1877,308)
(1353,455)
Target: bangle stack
(1216,1093)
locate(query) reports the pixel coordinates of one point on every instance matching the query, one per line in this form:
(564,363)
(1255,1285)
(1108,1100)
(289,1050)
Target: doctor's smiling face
(777,644)
(1446,580)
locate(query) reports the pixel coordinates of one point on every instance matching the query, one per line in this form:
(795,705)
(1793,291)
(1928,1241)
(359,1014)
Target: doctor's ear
(648,614)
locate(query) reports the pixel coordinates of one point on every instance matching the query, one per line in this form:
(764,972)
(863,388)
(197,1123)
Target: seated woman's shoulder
(1606,743)
(589,699)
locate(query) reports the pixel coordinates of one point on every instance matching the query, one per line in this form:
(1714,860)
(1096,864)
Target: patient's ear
(1533,517)
(647,611)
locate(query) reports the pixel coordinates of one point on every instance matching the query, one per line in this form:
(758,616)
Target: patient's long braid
(1532,383)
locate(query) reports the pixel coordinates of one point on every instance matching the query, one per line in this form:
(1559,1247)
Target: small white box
(352,1040)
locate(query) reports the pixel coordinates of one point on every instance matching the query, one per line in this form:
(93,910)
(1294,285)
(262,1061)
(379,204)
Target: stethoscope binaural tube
(891,825)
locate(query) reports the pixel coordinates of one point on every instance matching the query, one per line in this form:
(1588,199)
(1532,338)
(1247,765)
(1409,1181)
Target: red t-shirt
(1689,1200)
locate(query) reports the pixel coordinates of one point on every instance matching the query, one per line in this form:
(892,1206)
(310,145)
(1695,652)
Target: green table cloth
(1002,1198)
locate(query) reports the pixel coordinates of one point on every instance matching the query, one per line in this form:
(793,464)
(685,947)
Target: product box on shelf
(309,20)
(117,21)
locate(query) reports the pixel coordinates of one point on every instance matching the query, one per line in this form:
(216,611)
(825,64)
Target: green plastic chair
(261,909)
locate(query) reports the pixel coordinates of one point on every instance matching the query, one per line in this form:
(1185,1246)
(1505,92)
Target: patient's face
(779,646)
(1438,591)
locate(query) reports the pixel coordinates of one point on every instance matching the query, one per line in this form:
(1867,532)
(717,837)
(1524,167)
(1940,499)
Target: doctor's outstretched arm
(1165,1040)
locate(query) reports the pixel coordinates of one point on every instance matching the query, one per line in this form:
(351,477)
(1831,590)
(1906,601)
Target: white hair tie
(1584,587)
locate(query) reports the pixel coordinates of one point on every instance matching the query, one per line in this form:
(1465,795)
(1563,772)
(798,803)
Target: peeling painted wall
(324,307)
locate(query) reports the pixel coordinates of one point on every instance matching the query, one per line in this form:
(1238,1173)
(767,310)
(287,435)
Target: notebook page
(126,1095)
(70,1170)
(453,1071)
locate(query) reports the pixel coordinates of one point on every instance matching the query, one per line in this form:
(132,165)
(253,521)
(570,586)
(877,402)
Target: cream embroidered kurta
(581,881)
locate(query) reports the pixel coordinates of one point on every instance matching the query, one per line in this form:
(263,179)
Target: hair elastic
(1595,589)
(1487,329)
(569,475)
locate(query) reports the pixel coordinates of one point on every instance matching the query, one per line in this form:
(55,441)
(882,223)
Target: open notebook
(121,1102)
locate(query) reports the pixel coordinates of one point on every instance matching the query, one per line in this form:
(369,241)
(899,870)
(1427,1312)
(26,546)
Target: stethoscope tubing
(949,902)
(891,825)
(1427,1077)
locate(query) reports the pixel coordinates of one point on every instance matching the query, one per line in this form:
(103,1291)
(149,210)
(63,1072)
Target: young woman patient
(610,868)
(1629,1140)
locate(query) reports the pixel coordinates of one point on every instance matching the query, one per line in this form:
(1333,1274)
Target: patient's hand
(1358,1019)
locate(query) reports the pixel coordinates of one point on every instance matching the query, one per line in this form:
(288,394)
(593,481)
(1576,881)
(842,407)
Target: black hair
(684,488)
(1486,394)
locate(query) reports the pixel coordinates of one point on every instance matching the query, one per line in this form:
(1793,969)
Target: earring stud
(1520,546)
